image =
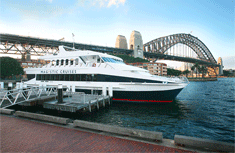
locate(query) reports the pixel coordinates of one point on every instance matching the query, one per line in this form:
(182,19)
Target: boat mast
(73,40)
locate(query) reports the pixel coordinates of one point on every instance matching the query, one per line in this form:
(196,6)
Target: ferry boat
(90,71)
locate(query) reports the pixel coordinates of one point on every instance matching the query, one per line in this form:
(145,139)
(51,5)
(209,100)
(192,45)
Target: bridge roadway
(46,44)
(178,58)
(39,47)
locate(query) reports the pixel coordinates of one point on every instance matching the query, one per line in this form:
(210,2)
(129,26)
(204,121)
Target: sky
(99,22)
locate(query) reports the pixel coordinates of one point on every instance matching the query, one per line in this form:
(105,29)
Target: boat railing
(179,79)
(88,64)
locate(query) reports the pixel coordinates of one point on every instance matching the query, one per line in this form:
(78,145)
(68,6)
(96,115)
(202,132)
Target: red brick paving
(19,135)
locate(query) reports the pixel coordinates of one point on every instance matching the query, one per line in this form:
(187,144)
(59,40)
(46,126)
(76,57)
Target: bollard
(73,88)
(60,93)
(17,85)
(1,85)
(25,93)
(21,85)
(10,88)
(110,91)
(104,92)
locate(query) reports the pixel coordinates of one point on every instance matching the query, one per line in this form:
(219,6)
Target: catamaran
(90,71)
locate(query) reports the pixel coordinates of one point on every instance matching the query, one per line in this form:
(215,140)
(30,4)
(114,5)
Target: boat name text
(58,71)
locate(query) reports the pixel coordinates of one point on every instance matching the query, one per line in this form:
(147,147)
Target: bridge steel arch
(162,44)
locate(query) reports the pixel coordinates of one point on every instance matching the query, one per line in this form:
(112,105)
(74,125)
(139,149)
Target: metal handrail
(16,96)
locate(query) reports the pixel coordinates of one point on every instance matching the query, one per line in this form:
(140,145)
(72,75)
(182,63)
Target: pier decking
(79,102)
(48,97)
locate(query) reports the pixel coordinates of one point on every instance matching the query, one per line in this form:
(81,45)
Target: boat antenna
(73,40)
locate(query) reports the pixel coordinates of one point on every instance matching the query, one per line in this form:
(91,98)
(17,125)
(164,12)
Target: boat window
(43,77)
(61,77)
(111,60)
(77,77)
(71,77)
(98,60)
(39,77)
(76,61)
(52,77)
(71,62)
(62,62)
(88,77)
(66,62)
(83,77)
(83,59)
(94,77)
(57,62)
(47,77)
(53,63)
(56,77)
(66,77)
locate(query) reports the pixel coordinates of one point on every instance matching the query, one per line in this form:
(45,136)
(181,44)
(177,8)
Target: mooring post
(104,92)
(17,85)
(1,85)
(25,93)
(110,91)
(60,93)
(10,85)
(21,85)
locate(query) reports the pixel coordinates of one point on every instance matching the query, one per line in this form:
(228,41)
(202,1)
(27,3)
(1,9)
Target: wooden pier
(79,102)
(51,97)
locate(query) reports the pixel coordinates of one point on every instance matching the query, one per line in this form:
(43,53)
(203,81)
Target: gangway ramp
(32,93)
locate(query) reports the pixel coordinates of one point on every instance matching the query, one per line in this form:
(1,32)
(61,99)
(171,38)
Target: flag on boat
(73,34)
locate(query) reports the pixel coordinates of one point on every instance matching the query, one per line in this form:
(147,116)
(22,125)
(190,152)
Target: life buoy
(93,65)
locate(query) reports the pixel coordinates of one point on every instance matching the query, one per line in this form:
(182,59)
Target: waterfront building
(121,42)
(136,44)
(31,63)
(153,68)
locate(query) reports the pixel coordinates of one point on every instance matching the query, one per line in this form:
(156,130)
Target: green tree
(173,72)
(10,67)
(192,69)
(195,67)
(203,70)
(186,72)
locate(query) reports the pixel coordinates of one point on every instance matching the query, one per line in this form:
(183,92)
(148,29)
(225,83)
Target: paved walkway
(19,135)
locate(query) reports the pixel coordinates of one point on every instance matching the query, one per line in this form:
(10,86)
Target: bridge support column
(60,93)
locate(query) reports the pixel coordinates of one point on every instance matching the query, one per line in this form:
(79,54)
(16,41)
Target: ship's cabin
(83,61)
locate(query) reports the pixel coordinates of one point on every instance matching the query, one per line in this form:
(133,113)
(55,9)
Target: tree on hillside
(203,70)
(173,72)
(10,67)
(195,67)
(186,72)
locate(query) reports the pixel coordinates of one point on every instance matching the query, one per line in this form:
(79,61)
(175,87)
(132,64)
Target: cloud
(49,1)
(116,2)
(229,62)
(101,3)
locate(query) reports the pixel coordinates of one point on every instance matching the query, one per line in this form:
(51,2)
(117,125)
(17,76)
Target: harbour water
(202,109)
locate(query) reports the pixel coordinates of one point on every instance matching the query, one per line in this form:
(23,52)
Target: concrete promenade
(23,135)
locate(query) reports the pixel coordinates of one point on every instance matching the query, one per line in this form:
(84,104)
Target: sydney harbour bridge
(178,47)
